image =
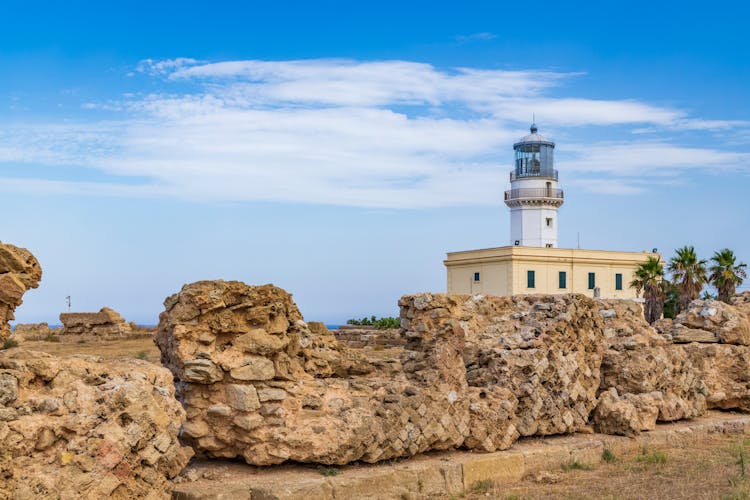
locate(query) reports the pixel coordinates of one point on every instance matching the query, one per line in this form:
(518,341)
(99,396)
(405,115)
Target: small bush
(652,458)
(51,338)
(328,471)
(379,323)
(483,486)
(608,456)
(9,343)
(81,341)
(576,465)
(141,355)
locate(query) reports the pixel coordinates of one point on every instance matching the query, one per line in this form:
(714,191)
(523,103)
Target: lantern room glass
(534,160)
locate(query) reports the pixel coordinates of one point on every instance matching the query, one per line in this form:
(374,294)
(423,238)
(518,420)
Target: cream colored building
(533,263)
(516,270)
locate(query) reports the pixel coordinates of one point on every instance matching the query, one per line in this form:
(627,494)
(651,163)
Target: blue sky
(339,149)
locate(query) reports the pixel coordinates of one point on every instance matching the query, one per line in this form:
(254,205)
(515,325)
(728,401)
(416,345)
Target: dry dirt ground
(142,347)
(712,469)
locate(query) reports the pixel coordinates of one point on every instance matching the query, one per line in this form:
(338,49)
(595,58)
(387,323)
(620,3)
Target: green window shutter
(592,281)
(562,280)
(530,279)
(618,281)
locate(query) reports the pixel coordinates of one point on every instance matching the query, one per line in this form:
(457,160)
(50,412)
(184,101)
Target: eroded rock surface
(19,271)
(80,428)
(258,384)
(532,362)
(104,323)
(712,321)
(476,372)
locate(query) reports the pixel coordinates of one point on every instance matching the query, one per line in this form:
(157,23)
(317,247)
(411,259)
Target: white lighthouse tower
(534,197)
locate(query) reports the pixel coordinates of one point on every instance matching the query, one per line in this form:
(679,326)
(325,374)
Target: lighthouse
(534,196)
(532,262)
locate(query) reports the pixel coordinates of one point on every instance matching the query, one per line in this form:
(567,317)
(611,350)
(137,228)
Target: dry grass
(142,347)
(708,469)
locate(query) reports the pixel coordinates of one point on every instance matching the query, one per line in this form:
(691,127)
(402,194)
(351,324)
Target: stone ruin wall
(79,427)
(476,372)
(19,272)
(358,338)
(106,322)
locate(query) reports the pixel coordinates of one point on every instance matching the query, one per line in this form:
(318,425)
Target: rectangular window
(592,281)
(549,221)
(562,280)
(530,279)
(476,276)
(618,281)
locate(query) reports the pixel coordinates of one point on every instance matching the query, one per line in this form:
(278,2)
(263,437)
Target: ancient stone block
(81,428)
(19,272)
(103,323)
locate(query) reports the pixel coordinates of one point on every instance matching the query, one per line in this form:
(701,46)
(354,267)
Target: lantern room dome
(534,137)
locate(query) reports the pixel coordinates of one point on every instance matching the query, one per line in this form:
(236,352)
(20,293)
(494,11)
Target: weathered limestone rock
(23,331)
(742,302)
(627,415)
(19,271)
(643,374)
(257,383)
(625,326)
(712,321)
(80,428)
(103,323)
(725,370)
(475,371)
(545,350)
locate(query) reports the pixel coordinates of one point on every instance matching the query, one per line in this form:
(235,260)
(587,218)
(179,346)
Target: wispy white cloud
(482,36)
(377,134)
(652,159)
(165,66)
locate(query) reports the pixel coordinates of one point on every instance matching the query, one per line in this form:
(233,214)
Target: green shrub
(379,323)
(576,465)
(483,486)
(328,471)
(9,343)
(141,355)
(652,458)
(608,456)
(52,338)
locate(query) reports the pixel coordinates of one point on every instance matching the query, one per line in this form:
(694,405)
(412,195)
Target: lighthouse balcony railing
(534,193)
(522,174)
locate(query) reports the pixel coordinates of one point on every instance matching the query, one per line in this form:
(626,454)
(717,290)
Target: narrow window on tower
(530,279)
(562,280)
(476,276)
(592,281)
(549,221)
(618,281)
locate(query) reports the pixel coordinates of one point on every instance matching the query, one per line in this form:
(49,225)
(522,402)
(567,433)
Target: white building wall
(529,225)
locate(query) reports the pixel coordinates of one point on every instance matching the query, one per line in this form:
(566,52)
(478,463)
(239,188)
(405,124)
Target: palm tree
(649,278)
(688,274)
(726,274)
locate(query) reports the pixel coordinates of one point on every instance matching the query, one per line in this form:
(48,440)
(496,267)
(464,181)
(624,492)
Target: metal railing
(550,174)
(517,194)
